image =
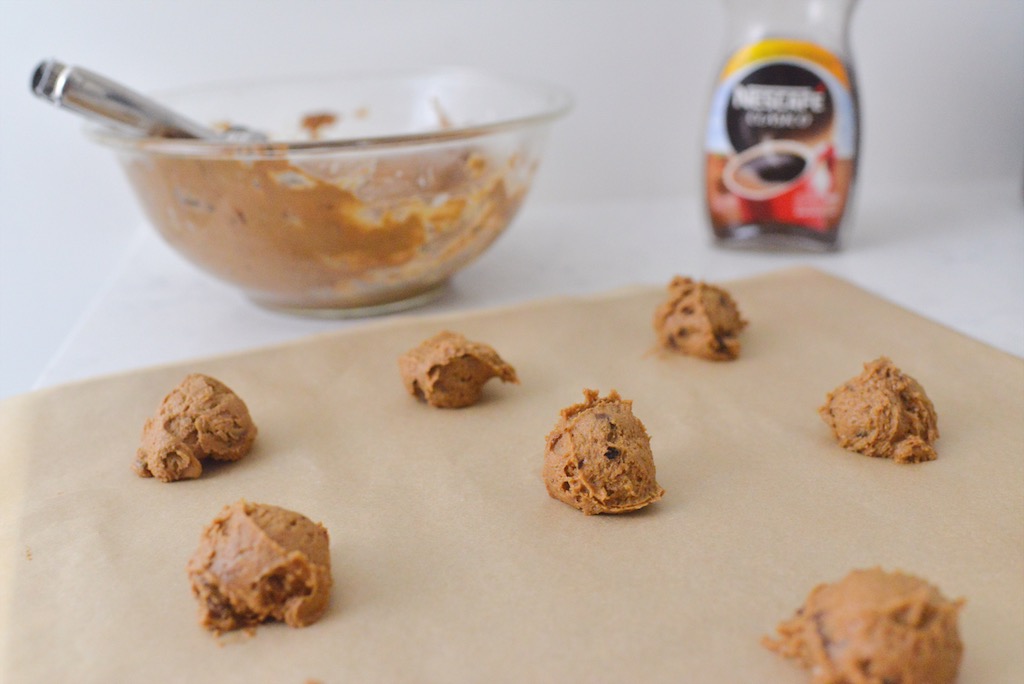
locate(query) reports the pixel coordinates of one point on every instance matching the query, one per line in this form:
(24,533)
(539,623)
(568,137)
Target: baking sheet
(450,561)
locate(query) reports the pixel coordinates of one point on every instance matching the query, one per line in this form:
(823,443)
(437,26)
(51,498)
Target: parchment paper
(450,561)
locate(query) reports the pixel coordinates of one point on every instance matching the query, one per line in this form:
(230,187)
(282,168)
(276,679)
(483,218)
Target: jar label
(781,142)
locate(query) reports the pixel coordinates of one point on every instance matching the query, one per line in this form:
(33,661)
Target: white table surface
(952,253)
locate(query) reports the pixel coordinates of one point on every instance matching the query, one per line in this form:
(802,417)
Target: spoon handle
(110,103)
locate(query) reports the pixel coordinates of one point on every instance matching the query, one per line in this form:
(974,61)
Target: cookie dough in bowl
(598,457)
(883,413)
(450,371)
(698,319)
(257,562)
(874,627)
(369,193)
(201,418)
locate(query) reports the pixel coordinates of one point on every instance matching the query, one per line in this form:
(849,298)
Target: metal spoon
(112,104)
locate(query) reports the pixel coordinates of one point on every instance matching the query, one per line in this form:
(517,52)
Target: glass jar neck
(824,22)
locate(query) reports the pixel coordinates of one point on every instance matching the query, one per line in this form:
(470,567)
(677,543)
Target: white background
(942,86)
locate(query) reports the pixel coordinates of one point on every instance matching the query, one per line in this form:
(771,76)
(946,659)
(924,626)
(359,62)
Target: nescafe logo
(778,101)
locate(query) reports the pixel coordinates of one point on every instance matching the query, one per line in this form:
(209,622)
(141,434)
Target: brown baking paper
(450,561)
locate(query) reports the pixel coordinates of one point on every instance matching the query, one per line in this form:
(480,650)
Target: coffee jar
(783,129)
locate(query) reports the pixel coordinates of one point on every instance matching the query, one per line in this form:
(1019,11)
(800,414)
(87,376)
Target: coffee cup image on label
(768,169)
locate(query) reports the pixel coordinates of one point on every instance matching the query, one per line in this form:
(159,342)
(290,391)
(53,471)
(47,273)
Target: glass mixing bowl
(370,193)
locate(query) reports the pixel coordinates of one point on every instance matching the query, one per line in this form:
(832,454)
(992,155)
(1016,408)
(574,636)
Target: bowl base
(363,311)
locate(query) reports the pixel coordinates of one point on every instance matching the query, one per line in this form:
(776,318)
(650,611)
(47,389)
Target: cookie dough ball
(874,627)
(257,562)
(598,457)
(699,320)
(449,371)
(883,413)
(200,418)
